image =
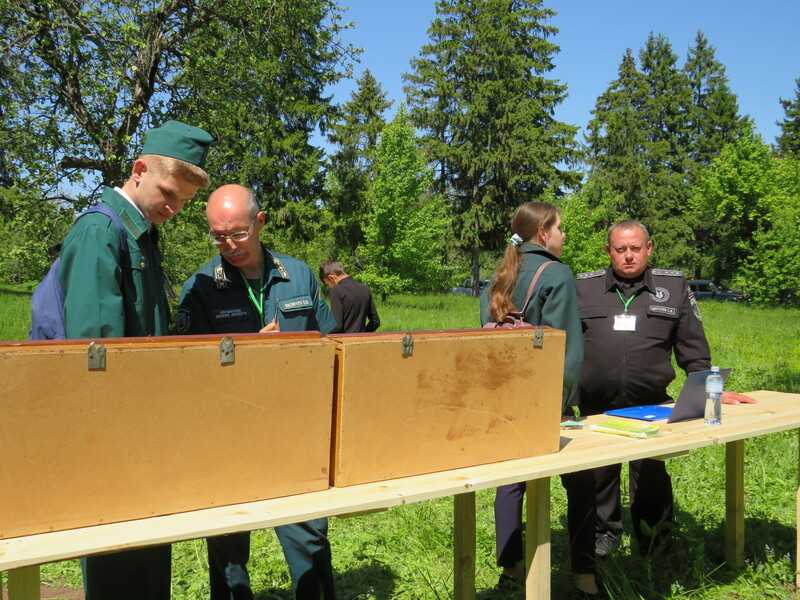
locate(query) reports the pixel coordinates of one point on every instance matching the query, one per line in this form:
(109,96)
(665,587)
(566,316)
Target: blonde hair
(166,165)
(528,220)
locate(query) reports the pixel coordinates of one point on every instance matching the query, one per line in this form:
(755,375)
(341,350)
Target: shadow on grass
(694,559)
(370,581)
(8,292)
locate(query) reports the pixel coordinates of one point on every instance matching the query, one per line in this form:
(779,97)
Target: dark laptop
(691,404)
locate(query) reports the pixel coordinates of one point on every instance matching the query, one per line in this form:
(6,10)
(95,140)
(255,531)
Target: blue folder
(648,412)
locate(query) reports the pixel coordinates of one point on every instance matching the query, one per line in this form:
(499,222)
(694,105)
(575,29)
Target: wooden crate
(164,428)
(462,398)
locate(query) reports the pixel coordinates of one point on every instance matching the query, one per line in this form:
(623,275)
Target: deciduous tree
(406,229)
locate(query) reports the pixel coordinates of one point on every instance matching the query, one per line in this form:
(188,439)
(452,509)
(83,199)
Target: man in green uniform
(110,292)
(247,288)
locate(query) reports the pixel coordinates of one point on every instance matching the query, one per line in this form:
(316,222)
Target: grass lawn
(407,552)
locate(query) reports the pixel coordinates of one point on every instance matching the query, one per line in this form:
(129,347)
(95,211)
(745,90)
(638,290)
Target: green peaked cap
(179,140)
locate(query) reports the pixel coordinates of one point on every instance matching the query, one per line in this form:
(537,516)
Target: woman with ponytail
(537,239)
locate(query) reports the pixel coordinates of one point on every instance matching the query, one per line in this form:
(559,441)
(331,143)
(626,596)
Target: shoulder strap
(105,209)
(532,286)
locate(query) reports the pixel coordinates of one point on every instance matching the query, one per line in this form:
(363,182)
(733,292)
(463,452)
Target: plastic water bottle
(713,412)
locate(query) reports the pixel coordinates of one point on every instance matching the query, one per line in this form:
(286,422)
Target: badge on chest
(625,322)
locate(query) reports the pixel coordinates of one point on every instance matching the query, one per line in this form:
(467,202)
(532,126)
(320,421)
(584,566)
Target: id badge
(625,322)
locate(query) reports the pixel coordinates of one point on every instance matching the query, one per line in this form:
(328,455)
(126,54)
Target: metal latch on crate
(538,337)
(408,345)
(227,351)
(96,354)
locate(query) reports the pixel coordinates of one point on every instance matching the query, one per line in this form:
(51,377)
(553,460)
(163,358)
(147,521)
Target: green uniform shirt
(554,304)
(94,272)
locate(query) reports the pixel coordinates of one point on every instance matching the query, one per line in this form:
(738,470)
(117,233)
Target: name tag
(625,322)
(296,304)
(230,313)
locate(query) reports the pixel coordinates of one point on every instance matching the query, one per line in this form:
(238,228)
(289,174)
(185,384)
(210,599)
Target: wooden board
(462,398)
(774,412)
(164,428)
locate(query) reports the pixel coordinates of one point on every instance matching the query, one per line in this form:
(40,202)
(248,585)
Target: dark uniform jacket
(215,299)
(627,368)
(353,308)
(554,304)
(107,294)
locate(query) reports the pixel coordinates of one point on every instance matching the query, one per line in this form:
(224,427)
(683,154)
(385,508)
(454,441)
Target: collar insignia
(221,280)
(281,269)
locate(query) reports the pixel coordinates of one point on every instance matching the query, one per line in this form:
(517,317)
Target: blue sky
(758,43)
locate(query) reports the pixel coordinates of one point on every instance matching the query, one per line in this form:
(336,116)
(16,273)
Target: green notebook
(626,427)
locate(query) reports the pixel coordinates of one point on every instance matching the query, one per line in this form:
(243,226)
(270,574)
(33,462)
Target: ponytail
(528,219)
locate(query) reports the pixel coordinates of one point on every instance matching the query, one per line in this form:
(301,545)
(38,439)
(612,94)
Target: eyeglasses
(219,239)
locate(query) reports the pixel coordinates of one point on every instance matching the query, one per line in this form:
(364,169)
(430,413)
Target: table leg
(734,504)
(23,583)
(797,521)
(464,546)
(537,540)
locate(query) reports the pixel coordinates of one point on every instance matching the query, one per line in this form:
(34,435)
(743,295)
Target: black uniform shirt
(627,368)
(352,306)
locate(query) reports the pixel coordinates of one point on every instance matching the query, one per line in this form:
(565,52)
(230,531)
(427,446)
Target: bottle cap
(715,369)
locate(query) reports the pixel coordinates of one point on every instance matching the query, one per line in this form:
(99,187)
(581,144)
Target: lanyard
(628,302)
(258,303)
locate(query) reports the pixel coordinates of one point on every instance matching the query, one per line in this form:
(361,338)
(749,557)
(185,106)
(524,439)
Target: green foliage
(771,273)
(84,80)
(584,247)
(355,132)
(480,94)
(714,119)
(185,243)
(31,228)
(314,244)
(255,76)
(789,138)
(405,228)
(730,200)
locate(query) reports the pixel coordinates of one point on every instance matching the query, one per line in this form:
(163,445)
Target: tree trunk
(476,269)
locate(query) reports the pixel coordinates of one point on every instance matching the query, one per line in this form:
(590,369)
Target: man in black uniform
(634,317)
(351,301)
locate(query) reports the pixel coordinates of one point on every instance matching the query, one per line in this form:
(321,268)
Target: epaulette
(281,269)
(590,274)
(667,272)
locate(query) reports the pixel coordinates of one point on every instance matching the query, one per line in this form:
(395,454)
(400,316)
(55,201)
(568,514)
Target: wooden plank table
(579,450)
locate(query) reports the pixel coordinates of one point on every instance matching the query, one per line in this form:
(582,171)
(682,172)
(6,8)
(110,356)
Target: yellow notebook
(626,427)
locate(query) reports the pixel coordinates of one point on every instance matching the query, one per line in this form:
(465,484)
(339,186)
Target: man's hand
(273,327)
(736,398)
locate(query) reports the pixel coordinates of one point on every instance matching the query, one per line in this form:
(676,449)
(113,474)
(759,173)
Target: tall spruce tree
(355,132)
(789,139)
(639,147)
(714,119)
(479,91)
(617,141)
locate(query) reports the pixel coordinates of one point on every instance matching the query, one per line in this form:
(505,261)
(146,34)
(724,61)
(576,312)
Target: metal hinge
(97,356)
(408,345)
(226,351)
(538,337)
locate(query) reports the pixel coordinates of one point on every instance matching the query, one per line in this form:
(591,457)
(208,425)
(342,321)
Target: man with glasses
(248,288)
